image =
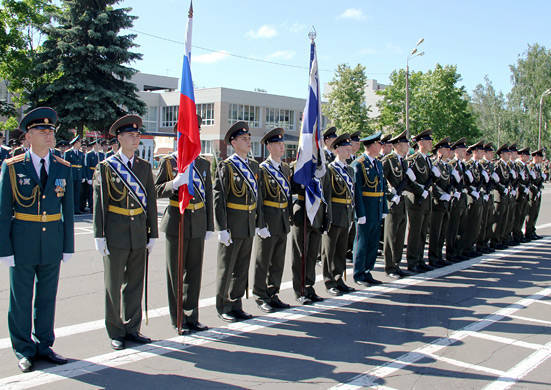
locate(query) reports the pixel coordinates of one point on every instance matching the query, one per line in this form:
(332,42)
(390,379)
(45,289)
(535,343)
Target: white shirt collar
(125,159)
(341,163)
(37,165)
(275,164)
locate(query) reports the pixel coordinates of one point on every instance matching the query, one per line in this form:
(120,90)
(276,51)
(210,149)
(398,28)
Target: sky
(481,38)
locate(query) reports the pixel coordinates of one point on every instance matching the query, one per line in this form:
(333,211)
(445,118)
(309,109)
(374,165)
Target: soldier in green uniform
(521,209)
(125,230)
(36,231)
(76,158)
(338,190)
(238,216)
(418,201)
(354,147)
(537,178)
(329,136)
(513,195)
(501,198)
(489,181)
(394,168)
(274,184)
(198,228)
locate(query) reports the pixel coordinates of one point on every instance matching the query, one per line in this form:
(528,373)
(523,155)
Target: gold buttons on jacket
(43,229)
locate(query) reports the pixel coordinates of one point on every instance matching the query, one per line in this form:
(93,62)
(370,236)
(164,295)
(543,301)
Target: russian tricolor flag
(189,142)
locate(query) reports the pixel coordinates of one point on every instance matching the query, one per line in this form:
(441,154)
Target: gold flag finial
(190,13)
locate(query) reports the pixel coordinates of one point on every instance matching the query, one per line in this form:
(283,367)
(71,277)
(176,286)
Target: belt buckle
(131,212)
(44,218)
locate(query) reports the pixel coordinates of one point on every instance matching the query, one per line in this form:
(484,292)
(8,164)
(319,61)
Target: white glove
(361,220)
(263,233)
(435,171)
(513,173)
(469,175)
(150,244)
(89,181)
(384,215)
(495,176)
(506,192)
(526,190)
(9,261)
(533,174)
(544,176)
(208,235)
(513,192)
(101,246)
(66,257)
(224,238)
(425,194)
(180,180)
(486,177)
(456,175)
(445,197)
(84,180)
(522,175)
(411,175)
(486,197)
(475,194)
(319,172)
(457,195)
(395,199)
(538,195)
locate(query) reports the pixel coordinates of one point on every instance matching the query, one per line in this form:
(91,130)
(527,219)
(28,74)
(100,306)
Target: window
(207,113)
(243,112)
(290,152)
(255,149)
(299,120)
(170,116)
(276,117)
(150,119)
(206,147)
(229,150)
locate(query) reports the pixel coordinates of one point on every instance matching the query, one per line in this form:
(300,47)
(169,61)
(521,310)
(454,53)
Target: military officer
(76,158)
(386,146)
(23,146)
(5,151)
(354,147)
(91,160)
(521,208)
(36,231)
(394,168)
(125,230)
(198,228)
(536,186)
(418,200)
(513,194)
(274,184)
(329,136)
(114,143)
(489,181)
(61,147)
(501,198)
(339,192)
(371,209)
(238,216)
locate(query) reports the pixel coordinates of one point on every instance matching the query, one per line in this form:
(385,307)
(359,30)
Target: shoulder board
(6,147)
(387,157)
(62,161)
(16,159)
(361,158)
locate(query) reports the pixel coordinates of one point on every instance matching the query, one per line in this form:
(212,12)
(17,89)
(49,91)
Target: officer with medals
(329,136)
(442,192)
(36,231)
(237,216)
(501,198)
(394,168)
(125,230)
(418,201)
(76,158)
(198,228)
(338,190)
(274,184)
(521,209)
(537,178)
(371,208)
(488,211)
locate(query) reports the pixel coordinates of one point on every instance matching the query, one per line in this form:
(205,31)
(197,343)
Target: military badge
(60,187)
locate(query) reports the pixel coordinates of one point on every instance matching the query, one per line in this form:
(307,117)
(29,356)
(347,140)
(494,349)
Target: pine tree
(90,58)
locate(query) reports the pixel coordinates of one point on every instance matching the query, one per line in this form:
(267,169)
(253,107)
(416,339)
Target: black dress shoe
(265,306)
(138,338)
(334,291)
(424,267)
(184,330)
(241,315)
(363,283)
(53,357)
(414,269)
(276,303)
(117,344)
(227,317)
(394,275)
(345,289)
(196,326)
(25,364)
(304,300)
(371,280)
(315,297)
(436,263)
(403,273)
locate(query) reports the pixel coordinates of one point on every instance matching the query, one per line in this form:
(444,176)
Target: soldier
(354,147)
(329,136)
(36,231)
(371,209)
(114,143)
(386,146)
(418,201)
(5,151)
(91,160)
(395,167)
(274,184)
(104,146)
(513,194)
(61,147)
(125,230)
(536,186)
(339,193)
(198,228)
(442,192)
(23,146)
(237,217)
(523,183)
(501,198)
(76,158)
(490,179)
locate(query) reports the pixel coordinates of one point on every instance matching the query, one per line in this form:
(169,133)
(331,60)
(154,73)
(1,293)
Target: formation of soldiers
(469,200)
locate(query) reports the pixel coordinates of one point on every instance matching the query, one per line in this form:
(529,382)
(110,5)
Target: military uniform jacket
(91,160)
(442,184)
(236,207)
(523,177)
(4,153)
(536,178)
(394,168)
(198,217)
(503,171)
(36,224)
(370,189)
(338,196)
(76,158)
(489,168)
(276,208)
(19,150)
(514,178)
(423,176)
(117,215)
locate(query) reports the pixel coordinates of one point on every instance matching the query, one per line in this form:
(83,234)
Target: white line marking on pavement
(470,366)
(527,319)
(369,378)
(506,340)
(521,369)
(180,343)
(545,302)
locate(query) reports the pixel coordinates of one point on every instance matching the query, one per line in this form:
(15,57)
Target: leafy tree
(346,108)
(90,56)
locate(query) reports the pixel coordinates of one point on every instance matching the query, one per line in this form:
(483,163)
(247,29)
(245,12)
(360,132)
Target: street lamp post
(545,93)
(412,54)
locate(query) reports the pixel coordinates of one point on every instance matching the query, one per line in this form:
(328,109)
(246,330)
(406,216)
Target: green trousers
(304,273)
(269,264)
(333,255)
(395,234)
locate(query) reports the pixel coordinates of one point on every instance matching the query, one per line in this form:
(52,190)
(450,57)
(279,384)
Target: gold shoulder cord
(422,170)
(395,169)
(370,184)
(237,192)
(18,197)
(274,194)
(337,192)
(108,179)
(169,169)
(444,171)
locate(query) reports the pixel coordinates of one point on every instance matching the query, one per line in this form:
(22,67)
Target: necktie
(43,173)
(129,164)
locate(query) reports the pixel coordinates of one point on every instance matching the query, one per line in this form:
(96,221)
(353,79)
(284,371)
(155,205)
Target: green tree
(346,108)
(90,56)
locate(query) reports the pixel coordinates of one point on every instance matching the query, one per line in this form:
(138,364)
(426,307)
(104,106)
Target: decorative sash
(243,168)
(198,183)
(279,178)
(345,176)
(129,179)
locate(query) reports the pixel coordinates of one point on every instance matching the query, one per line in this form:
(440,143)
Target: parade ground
(484,323)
